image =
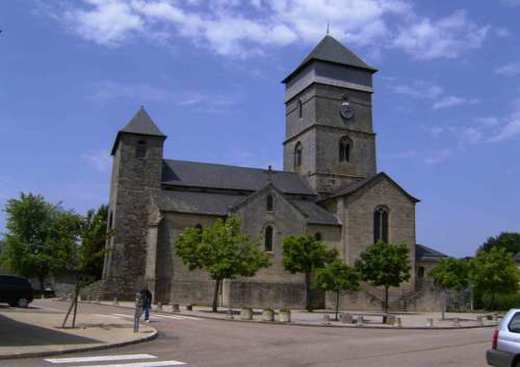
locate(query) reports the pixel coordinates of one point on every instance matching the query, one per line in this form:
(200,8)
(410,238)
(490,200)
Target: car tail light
(495,339)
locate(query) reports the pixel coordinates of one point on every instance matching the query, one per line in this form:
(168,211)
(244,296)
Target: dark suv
(16,291)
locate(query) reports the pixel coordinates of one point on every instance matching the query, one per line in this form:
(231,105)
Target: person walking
(146,296)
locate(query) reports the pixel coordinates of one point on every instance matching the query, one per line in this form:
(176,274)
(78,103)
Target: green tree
(385,264)
(222,251)
(510,241)
(93,238)
(305,254)
(449,274)
(337,277)
(26,246)
(494,272)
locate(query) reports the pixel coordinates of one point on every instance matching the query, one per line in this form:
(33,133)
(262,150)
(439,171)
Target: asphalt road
(216,343)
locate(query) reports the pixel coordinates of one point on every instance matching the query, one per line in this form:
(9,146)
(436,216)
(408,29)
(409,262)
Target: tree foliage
(29,223)
(494,272)
(304,254)
(221,250)
(449,274)
(337,277)
(93,238)
(385,264)
(510,241)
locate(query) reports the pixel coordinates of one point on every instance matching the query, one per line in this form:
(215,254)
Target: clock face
(346,111)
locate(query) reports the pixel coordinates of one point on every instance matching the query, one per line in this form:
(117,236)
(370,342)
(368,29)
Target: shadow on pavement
(15,333)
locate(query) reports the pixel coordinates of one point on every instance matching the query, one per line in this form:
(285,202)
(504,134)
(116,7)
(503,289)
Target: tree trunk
(76,296)
(67,314)
(386,299)
(308,303)
(215,295)
(337,305)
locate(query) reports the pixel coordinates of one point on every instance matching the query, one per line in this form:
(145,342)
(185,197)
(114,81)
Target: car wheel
(22,302)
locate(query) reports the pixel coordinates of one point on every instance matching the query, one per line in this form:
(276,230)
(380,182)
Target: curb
(146,338)
(300,324)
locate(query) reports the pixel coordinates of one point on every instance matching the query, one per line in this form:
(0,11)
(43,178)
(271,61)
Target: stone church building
(329,188)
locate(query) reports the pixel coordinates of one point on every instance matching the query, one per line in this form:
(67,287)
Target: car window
(514,324)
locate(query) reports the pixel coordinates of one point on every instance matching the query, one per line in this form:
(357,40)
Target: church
(329,188)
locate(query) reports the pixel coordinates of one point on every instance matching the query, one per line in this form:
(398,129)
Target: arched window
(269,203)
(140,150)
(298,155)
(300,108)
(317,236)
(345,146)
(198,227)
(381,224)
(268,239)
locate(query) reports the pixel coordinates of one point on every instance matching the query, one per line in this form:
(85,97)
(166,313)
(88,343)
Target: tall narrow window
(140,150)
(298,155)
(381,224)
(317,236)
(110,220)
(269,203)
(300,108)
(345,145)
(268,239)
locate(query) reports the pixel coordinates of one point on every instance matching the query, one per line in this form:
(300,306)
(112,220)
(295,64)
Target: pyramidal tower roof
(140,124)
(331,50)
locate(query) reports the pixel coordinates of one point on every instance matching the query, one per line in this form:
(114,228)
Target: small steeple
(140,124)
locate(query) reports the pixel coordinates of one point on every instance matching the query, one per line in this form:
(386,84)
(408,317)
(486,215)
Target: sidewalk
(372,319)
(35,332)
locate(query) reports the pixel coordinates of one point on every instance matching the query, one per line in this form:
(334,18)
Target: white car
(505,349)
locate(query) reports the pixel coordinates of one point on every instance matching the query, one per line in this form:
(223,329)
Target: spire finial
(328,28)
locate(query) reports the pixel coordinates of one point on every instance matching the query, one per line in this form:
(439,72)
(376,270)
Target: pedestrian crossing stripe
(100,358)
(140,364)
(154,317)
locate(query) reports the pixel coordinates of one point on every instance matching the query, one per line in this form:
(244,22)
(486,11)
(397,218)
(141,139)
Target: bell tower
(329,137)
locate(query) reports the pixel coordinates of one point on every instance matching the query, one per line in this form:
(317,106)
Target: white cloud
(510,69)
(453,101)
(99,160)
(239,28)
(511,3)
(439,156)
(447,37)
(510,129)
(419,90)
(502,32)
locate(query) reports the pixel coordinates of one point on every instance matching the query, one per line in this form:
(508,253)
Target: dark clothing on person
(146,296)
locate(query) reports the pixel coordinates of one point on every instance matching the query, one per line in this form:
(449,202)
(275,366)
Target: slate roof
(198,202)
(358,185)
(141,124)
(331,50)
(314,213)
(426,253)
(219,176)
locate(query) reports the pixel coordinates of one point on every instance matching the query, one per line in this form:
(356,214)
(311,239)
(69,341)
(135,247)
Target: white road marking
(177,317)
(111,316)
(140,364)
(123,357)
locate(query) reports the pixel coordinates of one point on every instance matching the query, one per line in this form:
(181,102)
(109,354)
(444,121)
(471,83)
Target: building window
(317,236)
(420,272)
(198,227)
(381,224)
(300,108)
(298,155)
(140,150)
(270,203)
(345,145)
(110,220)
(268,239)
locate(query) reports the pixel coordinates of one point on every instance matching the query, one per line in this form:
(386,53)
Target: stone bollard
(429,322)
(246,313)
(176,307)
(89,299)
(481,320)
(398,322)
(80,298)
(456,322)
(359,320)
(43,296)
(346,318)
(284,315)
(116,301)
(189,307)
(267,315)
(98,300)
(390,319)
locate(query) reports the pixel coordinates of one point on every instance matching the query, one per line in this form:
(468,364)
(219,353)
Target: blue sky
(446,106)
